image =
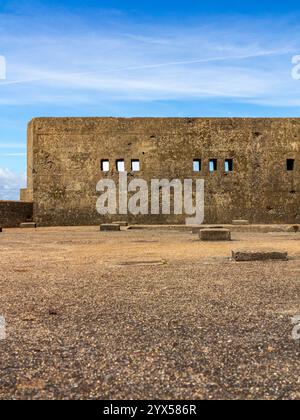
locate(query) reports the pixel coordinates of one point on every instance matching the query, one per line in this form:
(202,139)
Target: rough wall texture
(64,157)
(12,213)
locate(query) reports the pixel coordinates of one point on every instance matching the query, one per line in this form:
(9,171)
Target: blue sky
(141,58)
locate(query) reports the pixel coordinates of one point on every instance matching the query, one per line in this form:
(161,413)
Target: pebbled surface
(93,315)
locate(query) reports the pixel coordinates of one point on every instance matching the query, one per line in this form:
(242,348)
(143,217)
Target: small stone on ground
(246,255)
(215,235)
(110,228)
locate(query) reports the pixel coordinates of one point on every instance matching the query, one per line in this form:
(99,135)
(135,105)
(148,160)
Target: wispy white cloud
(245,60)
(10,184)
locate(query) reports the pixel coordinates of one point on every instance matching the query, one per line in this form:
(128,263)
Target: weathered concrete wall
(12,213)
(64,157)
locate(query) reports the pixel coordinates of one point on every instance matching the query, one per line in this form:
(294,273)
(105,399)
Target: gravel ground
(146,315)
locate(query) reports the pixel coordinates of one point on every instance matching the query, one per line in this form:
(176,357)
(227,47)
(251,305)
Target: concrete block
(215,235)
(28,225)
(240,222)
(110,227)
(122,224)
(246,255)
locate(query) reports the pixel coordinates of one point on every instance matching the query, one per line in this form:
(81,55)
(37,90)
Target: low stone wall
(12,213)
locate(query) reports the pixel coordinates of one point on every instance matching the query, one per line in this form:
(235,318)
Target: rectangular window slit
(135,165)
(120,165)
(290,164)
(104,165)
(228,165)
(197,165)
(213,165)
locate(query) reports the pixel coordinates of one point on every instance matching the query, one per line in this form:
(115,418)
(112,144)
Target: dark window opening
(290,164)
(197,165)
(104,165)
(120,165)
(228,165)
(213,165)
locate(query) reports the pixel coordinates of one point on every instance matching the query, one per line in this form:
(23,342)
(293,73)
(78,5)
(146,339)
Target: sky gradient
(133,58)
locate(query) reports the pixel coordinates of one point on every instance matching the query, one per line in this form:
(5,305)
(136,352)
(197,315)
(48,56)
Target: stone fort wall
(12,213)
(65,155)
